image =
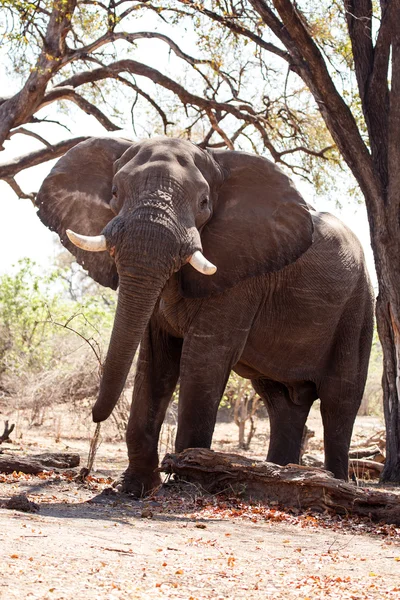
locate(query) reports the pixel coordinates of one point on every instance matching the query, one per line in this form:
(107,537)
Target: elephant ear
(260,224)
(76,195)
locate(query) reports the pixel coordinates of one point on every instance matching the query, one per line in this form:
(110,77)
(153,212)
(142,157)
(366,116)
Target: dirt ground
(85,543)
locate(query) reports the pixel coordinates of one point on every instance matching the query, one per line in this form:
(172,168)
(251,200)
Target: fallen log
(35,464)
(308,460)
(363,468)
(370,452)
(292,486)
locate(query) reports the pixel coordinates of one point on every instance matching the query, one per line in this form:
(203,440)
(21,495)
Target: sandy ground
(87,544)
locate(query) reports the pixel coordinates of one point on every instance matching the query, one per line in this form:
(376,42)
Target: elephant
(221,265)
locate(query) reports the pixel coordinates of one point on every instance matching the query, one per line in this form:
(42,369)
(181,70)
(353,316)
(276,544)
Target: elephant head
(134,214)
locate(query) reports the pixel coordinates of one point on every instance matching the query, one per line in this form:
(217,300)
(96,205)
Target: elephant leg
(156,378)
(338,413)
(341,391)
(288,411)
(202,384)
(212,346)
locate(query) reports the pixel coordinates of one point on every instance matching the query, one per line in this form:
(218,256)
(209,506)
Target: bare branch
(92,342)
(216,126)
(242,112)
(112,37)
(68,93)
(19,163)
(149,99)
(24,131)
(18,191)
(318,153)
(34,119)
(238,29)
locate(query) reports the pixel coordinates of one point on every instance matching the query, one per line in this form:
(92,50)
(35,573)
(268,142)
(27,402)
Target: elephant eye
(114,191)
(204,203)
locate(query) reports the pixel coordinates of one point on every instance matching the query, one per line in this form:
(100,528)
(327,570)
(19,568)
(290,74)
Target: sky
(23,235)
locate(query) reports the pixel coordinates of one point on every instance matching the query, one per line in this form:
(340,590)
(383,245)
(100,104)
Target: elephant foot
(138,485)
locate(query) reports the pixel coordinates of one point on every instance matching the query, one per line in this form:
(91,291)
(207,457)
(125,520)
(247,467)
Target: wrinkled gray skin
(290,306)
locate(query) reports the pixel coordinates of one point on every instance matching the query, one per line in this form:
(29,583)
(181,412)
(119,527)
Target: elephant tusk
(93,243)
(201,264)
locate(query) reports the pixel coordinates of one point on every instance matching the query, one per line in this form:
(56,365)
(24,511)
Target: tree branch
(24,131)
(18,191)
(216,126)
(19,108)
(359,24)
(19,163)
(111,37)
(243,112)
(149,99)
(311,67)
(238,29)
(318,153)
(68,93)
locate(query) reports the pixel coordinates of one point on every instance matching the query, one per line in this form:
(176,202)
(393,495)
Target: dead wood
(33,465)
(365,452)
(307,435)
(362,468)
(22,503)
(292,486)
(5,436)
(378,439)
(308,460)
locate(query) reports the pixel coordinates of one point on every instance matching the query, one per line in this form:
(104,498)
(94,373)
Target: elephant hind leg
(342,389)
(338,415)
(288,408)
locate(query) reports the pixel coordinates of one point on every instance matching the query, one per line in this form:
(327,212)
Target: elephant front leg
(206,365)
(156,378)
(214,344)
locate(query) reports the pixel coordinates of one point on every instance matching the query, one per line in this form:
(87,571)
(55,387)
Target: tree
(84,52)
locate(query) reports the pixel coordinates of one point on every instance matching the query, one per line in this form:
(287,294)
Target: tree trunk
(389,335)
(385,241)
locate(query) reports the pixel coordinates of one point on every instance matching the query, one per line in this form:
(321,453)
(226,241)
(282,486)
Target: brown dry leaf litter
(88,544)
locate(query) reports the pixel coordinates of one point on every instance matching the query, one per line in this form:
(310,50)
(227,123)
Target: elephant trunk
(136,301)
(150,244)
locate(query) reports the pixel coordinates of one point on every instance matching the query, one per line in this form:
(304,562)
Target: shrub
(41,326)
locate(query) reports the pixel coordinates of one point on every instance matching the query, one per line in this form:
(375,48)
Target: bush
(42,327)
